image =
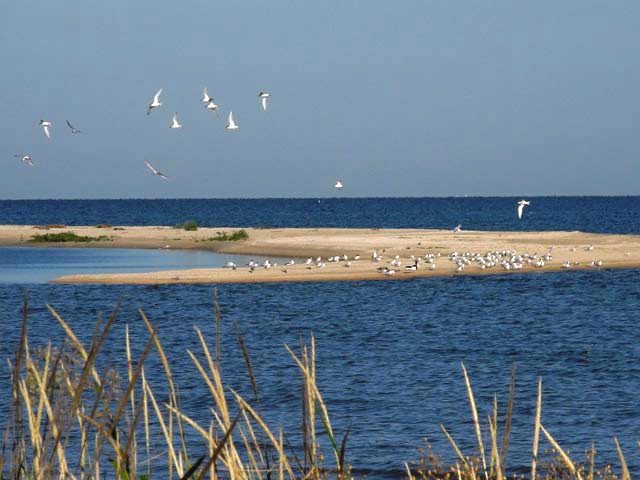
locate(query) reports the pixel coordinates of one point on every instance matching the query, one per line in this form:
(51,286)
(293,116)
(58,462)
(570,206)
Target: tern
(45,126)
(26,159)
(155,102)
(263,97)
(521,205)
(232,125)
(205,96)
(73,130)
(156,172)
(338,185)
(174,122)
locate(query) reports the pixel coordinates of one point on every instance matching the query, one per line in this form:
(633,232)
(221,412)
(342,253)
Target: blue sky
(411,98)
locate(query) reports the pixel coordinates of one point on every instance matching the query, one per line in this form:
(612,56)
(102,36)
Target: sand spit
(614,251)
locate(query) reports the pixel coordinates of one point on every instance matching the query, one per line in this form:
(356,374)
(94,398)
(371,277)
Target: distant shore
(614,251)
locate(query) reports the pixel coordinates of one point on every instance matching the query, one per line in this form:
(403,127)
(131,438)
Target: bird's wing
(264,103)
(156,97)
(151,167)
(520,208)
(162,175)
(205,95)
(175,118)
(46,131)
(70,126)
(231,122)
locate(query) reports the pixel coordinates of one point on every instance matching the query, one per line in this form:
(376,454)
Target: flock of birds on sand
(502,259)
(155,103)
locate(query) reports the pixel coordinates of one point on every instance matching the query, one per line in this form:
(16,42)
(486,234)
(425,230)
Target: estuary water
(389,352)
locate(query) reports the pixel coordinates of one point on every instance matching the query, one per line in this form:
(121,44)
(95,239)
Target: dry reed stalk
(145,412)
(169,441)
(127,342)
(623,462)
(218,317)
(454,445)
(247,361)
(281,458)
(476,421)
(254,438)
(252,459)
(536,431)
(245,406)
(507,425)
(592,461)
(408,470)
(563,455)
(495,453)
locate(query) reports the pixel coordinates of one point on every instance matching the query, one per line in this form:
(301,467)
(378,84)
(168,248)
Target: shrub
(189,226)
(233,237)
(65,237)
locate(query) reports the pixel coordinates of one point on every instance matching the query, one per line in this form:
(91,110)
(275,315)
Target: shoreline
(614,250)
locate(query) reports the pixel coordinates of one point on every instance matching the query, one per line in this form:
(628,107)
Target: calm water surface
(389,352)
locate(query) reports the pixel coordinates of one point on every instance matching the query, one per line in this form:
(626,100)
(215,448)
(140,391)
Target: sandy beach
(614,251)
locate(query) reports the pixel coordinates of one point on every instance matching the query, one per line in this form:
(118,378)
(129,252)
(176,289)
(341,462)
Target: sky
(410,98)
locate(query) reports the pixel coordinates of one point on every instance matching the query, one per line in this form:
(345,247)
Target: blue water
(389,352)
(590,214)
(25,265)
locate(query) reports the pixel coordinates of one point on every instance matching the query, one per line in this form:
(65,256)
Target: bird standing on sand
(26,159)
(231,125)
(338,185)
(73,130)
(458,228)
(521,205)
(263,97)
(156,172)
(155,103)
(45,126)
(174,122)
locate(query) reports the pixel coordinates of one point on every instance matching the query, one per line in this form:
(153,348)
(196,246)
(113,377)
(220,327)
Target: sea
(389,353)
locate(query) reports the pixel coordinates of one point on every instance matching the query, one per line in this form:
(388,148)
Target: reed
(71,418)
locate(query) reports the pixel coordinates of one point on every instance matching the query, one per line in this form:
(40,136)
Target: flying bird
(73,130)
(155,102)
(45,126)
(26,159)
(174,122)
(263,97)
(231,124)
(521,205)
(205,96)
(156,172)
(338,185)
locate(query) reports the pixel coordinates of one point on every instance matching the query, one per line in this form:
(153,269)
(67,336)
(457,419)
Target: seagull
(155,102)
(338,185)
(73,130)
(25,159)
(458,228)
(205,96)
(156,172)
(212,106)
(521,205)
(263,96)
(174,122)
(45,126)
(232,125)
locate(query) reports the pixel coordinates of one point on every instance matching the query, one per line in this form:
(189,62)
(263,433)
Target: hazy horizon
(423,99)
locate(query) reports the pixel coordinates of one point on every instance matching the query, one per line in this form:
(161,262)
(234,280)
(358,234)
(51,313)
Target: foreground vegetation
(65,237)
(70,419)
(230,237)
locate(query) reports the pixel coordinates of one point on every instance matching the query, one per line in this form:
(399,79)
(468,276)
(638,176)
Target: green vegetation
(69,417)
(65,237)
(233,237)
(189,226)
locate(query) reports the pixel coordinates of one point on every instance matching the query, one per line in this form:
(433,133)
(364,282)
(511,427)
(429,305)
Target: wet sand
(615,251)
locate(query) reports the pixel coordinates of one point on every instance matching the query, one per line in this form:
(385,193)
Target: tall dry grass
(70,418)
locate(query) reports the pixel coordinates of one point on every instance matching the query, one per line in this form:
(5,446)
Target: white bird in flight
(174,122)
(156,172)
(231,125)
(205,96)
(338,185)
(26,159)
(155,103)
(45,126)
(521,205)
(73,130)
(263,97)
(208,101)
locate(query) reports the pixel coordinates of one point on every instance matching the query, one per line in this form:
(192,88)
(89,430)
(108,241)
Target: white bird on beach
(45,126)
(73,130)
(521,205)
(156,172)
(263,97)
(458,228)
(155,103)
(26,159)
(231,124)
(174,122)
(338,185)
